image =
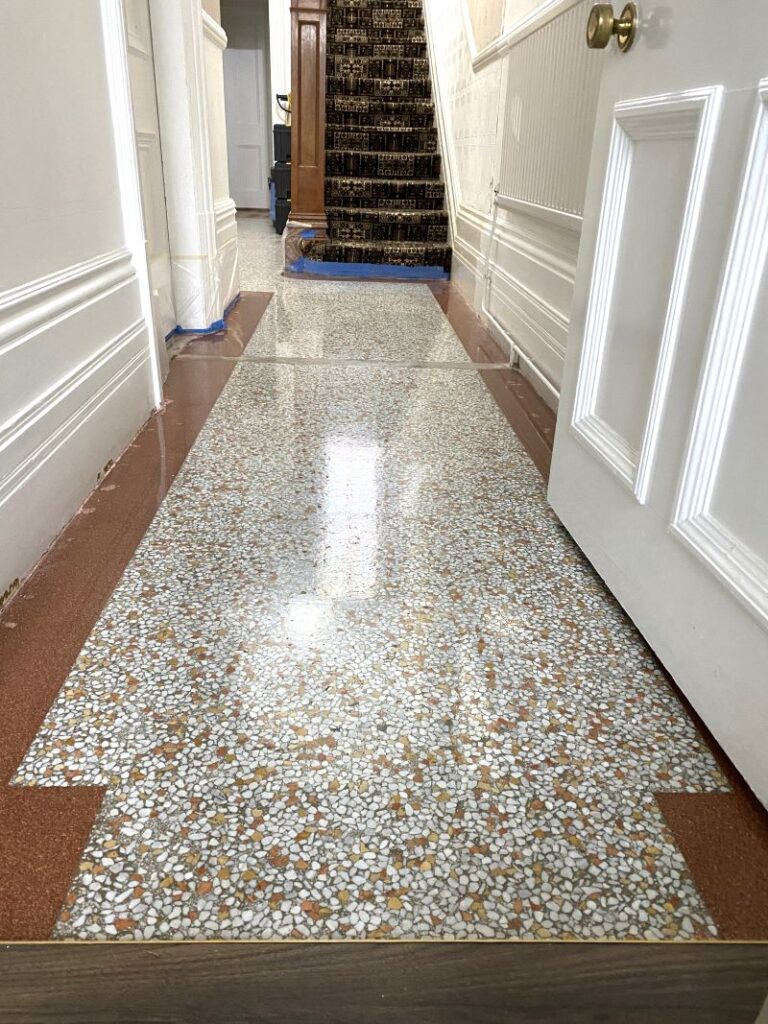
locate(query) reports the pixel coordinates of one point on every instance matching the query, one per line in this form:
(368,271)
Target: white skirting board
(93,390)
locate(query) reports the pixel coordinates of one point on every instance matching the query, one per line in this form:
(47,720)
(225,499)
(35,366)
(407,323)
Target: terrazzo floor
(357,681)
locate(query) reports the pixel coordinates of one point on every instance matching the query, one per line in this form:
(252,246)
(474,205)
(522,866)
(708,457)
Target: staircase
(385,200)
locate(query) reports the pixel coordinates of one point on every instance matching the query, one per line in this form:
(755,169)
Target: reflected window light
(305,620)
(350,507)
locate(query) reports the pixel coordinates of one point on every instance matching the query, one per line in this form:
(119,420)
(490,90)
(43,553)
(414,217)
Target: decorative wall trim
(737,566)
(213,31)
(570,221)
(27,308)
(535,325)
(547,11)
(63,434)
(540,317)
(47,402)
(136,44)
(530,244)
(690,114)
(224,211)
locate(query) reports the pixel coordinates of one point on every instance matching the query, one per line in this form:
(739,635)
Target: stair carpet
(385,199)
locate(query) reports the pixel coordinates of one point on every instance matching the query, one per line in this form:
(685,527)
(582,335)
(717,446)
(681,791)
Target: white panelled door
(141,66)
(248,130)
(660,468)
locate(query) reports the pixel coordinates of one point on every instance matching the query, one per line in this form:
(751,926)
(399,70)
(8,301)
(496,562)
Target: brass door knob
(602,25)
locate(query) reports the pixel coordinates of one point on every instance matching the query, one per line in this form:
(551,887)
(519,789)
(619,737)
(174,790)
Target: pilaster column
(177,32)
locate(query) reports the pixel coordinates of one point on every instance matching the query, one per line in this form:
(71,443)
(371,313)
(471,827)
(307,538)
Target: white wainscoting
(225,214)
(546,97)
(553,81)
(79,369)
(76,380)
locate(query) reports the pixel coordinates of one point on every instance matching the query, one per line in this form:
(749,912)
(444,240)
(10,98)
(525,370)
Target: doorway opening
(247,89)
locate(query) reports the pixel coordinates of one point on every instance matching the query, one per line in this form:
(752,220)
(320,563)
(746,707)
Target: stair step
(393,216)
(386,88)
(376,18)
(385,193)
(378,67)
(403,254)
(381,105)
(365,112)
(398,50)
(388,225)
(358,5)
(376,37)
(383,164)
(382,139)
(370,121)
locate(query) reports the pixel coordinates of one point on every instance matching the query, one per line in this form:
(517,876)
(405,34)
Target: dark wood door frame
(308,56)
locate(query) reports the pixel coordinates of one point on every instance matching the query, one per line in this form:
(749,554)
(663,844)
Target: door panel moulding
(692,114)
(694,522)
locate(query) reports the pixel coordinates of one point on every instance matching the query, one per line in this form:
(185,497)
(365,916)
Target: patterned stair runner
(385,198)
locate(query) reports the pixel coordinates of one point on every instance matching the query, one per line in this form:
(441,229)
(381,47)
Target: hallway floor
(356,680)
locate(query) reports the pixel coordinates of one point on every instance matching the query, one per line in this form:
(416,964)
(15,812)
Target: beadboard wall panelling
(521,121)
(76,374)
(553,81)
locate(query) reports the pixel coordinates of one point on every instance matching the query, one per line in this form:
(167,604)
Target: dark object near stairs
(280,180)
(282,137)
(385,199)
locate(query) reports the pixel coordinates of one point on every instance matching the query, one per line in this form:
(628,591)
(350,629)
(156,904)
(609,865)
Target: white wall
(519,117)
(279,53)
(487,20)
(77,360)
(516,10)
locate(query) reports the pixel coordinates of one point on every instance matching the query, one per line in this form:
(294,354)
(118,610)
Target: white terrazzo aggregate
(358,682)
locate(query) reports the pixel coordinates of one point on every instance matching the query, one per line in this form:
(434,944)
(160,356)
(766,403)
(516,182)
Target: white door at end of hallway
(141,67)
(246,92)
(660,468)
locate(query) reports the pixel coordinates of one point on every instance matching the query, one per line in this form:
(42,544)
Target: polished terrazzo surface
(358,682)
(341,320)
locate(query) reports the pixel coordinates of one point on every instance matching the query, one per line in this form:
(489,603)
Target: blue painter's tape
(216,326)
(363,270)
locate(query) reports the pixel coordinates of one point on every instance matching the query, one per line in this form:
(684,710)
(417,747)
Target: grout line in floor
(419,364)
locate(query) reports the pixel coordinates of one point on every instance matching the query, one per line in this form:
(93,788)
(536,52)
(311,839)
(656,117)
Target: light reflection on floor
(357,681)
